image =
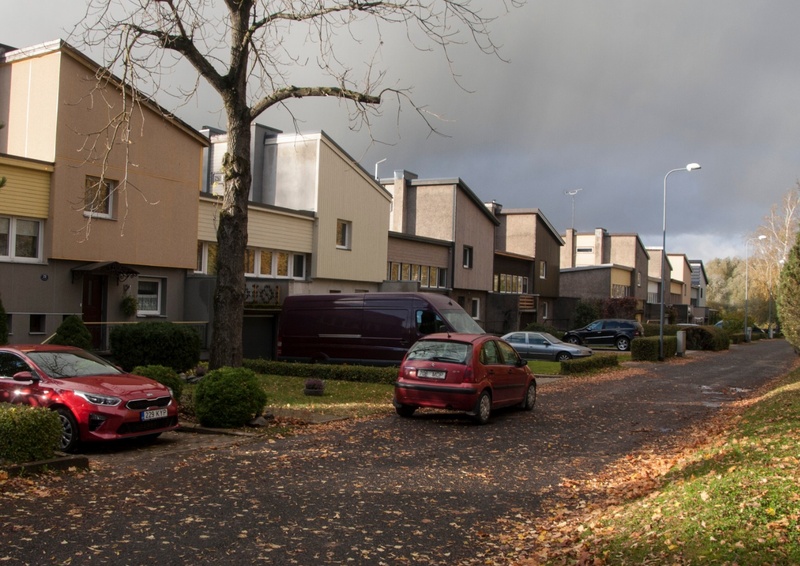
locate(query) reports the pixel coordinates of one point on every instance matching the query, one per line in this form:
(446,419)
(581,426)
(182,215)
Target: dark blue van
(364,328)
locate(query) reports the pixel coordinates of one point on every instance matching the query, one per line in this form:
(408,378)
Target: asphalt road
(389,491)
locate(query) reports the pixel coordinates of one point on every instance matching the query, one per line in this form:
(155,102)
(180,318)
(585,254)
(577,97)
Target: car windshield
(440,351)
(462,322)
(59,365)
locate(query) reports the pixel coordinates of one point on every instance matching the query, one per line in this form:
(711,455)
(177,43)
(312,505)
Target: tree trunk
(226,343)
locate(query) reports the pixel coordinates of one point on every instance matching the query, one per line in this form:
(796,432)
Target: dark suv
(606,332)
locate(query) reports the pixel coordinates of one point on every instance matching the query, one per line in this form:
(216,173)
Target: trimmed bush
(155,343)
(646,349)
(588,365)
(229,398)
(164,375)
(362,374)
(28,433)
(73,332)
(706,338)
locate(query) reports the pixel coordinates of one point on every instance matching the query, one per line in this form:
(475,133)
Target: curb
(59,464)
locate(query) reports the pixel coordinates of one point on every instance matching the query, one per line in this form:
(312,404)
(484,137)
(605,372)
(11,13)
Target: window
(505,283)
(543,309)
(149,296)
(638,278)
(428,276)
(468,257)
(98,197)
(299,267)
(20,239)
(265,265)
(343,234)
(542,270)
(585,250)
(475,308)
(36,324)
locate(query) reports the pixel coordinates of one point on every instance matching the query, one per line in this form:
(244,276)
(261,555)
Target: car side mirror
(26,376)
(521,363)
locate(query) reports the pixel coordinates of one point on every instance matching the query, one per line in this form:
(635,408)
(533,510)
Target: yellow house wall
(27,189)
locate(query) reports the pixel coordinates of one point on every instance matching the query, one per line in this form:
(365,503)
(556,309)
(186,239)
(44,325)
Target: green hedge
(228,398)
(155,343)
(28,433)
(73,332)
(646,349)
(362,374)
(588,365)
(706,338)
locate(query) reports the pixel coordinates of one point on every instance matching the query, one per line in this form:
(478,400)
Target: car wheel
(563,356)
(530,397)
(574,340)
(405,411)
(483,408)
(623,343)
(70,436)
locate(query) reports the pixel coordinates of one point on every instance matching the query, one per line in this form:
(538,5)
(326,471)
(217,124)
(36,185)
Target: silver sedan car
(544,346)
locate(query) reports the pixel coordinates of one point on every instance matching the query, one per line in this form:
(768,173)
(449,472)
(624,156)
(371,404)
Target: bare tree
(780,228)
(247,51)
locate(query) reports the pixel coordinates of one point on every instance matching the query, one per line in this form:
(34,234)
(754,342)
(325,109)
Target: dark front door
(93,291)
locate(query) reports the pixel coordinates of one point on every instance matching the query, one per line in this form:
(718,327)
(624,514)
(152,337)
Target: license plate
(154,414)
(432,373)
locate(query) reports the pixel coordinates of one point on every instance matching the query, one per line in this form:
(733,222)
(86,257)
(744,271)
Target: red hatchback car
(95,400)
(475,373)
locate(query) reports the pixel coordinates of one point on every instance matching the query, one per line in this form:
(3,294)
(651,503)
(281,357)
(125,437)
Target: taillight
(469,375)
(411,373)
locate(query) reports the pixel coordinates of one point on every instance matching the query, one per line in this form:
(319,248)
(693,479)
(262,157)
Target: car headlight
(104,400)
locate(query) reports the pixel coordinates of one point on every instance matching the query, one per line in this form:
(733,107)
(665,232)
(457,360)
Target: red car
(475,373)
(95,400)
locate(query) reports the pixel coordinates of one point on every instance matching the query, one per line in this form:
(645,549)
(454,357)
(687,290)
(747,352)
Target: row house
(527,275)
(317,223)
(446,211)
(700,311)
(82,226)
(601,265)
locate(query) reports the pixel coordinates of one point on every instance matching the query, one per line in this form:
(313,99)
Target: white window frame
(13,230)
(345,229)
(543,307)
(158,296)
(108,200)
(542,270)
(468,257)
(475,308)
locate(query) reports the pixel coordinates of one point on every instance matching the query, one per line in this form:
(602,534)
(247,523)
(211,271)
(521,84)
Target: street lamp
(690,167)
(746,264)
(572,194)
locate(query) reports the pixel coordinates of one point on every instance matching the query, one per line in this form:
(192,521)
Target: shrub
(646,349)
(164,375)
(362,374)
(588,365)
(73,332)
(314,383)
(229,398)
(155,343)
(706,338)
(28,433)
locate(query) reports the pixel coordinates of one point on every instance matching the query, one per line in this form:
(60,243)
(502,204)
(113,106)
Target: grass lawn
(735,500)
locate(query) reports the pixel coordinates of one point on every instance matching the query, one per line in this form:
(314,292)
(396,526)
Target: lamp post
(690,167)
(746,275)
(572,194)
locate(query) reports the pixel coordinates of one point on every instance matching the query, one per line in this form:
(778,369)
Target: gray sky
(602,95)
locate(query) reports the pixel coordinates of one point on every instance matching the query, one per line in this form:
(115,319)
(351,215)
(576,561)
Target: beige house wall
(30,113)
(473,229)
(520,234)
(431,210)
(348,193)
(158,174)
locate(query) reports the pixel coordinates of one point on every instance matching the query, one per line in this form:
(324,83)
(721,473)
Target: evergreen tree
(789,296)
